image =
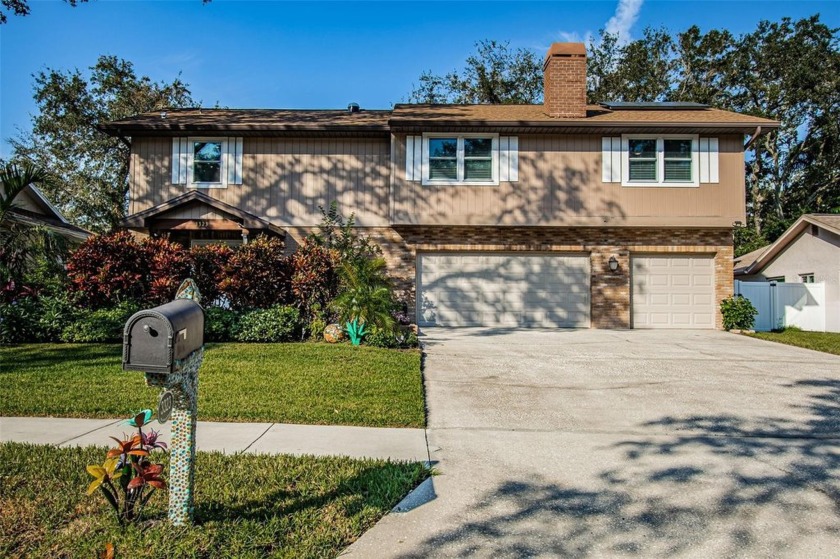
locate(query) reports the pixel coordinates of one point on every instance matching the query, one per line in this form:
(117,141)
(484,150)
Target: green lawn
(246,506)
(306,383)
(828,342)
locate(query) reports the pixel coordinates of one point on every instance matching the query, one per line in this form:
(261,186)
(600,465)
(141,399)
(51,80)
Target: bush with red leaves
(108,269)
(169,265)
(314,276)
(258,275)
(208,268)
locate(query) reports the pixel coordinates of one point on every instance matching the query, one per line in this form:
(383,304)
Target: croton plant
(128,478)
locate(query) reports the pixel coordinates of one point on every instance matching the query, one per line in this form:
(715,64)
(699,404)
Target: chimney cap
(567,49)
(353,107)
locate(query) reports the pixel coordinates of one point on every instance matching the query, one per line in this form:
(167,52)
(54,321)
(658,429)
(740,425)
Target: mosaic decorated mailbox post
(167,344)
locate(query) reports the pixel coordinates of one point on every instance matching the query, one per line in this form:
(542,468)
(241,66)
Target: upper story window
(207,162)
(460,159)
(662,160)
(807,278)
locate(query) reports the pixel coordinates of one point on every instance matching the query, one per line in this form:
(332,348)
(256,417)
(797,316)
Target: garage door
(481,289)
(673,292)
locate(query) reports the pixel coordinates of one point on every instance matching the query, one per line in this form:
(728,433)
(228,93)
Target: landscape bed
(306,383)
(246,506)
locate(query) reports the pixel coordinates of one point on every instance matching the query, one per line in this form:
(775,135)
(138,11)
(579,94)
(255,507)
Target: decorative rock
(333,334)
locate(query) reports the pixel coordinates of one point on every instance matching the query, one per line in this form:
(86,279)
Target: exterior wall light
(613,264)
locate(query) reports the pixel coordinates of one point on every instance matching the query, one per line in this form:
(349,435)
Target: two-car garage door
(503,289)
(553,290)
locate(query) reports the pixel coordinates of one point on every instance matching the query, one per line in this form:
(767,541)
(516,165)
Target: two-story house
(556,215)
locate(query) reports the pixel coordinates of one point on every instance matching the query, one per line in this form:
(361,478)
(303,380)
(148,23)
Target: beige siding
(560,184)
(284,179)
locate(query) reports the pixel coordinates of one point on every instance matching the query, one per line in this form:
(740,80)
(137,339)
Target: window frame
(191,162)
(660,160)
(460,159)
(807,278)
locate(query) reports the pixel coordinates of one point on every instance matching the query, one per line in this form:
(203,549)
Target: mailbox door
(150,345)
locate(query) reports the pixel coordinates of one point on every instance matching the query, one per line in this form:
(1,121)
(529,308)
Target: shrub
(314,277)
(277,324)
(100,325)
(55,312)
(108,268)
(365,293)
(738,313)
(19,321)
(220,325)
(208,265)
(392,339)
(338,234)
(257,276)
(169,265)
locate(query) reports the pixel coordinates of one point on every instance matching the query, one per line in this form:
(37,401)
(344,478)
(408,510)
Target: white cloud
(622,21)
(625,17)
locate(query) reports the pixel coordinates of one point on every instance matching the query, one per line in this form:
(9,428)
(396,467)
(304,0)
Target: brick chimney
(564,79)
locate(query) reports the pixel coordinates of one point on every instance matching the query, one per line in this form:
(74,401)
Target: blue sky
(322,54)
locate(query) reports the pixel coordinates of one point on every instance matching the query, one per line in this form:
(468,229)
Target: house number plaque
(165,404)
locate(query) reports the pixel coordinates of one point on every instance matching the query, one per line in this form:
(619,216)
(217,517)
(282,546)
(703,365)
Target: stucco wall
(810,254)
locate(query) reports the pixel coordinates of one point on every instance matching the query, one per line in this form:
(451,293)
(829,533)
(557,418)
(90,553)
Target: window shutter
(611,159)
(179,160)
(709,172)
(413,158)
(509,158)
(234,160)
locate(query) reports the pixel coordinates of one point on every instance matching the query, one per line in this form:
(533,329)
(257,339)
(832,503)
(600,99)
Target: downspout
(753,138)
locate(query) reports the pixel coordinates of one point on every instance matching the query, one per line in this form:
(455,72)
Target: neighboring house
(808,252)
(32,208)
(560,215)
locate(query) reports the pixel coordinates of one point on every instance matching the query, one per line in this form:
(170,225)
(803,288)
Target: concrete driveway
(623,443)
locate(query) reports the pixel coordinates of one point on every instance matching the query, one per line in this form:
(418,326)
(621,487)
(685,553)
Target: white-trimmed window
(207,162)
(806,278)
(460,159)
(660,160)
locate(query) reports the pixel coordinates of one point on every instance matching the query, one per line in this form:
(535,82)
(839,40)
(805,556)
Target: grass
(304,383)
(827,342)
(246,506)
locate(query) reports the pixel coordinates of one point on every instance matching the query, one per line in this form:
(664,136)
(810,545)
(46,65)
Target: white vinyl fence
(785,304)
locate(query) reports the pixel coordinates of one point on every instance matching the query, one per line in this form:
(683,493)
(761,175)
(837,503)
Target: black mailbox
(156,338)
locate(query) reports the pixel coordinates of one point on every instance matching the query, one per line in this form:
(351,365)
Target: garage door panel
(673,292)
(474,289)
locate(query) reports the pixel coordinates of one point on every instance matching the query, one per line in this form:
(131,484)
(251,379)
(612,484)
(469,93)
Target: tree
(88,169)
(23,248)
(21,7)
(641,70)
(495,74)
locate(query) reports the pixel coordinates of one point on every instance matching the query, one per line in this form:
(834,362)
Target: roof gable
(755,261)
(246,219)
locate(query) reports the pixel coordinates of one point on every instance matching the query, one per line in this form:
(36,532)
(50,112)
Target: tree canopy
(785,70)
(88,170)
(495,74)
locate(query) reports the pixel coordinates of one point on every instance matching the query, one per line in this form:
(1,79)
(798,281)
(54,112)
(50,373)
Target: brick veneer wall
(610,291)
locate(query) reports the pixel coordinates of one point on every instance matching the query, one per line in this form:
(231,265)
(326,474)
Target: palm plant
(22,246)
(365,295)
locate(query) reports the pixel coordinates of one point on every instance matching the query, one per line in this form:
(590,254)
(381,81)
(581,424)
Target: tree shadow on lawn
(713,486)
(374,486)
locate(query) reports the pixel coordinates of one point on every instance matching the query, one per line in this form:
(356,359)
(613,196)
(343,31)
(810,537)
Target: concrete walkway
(593,443)
(229,438)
